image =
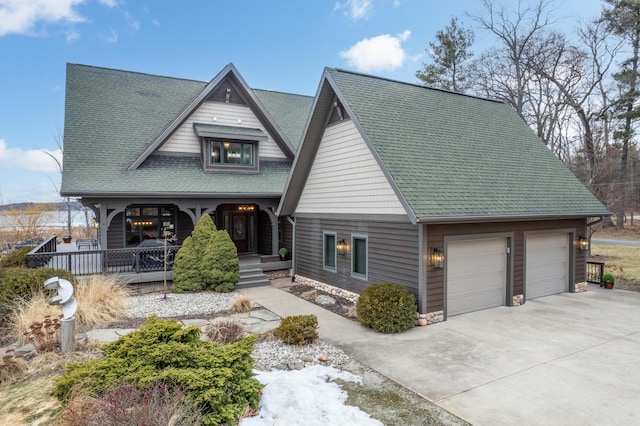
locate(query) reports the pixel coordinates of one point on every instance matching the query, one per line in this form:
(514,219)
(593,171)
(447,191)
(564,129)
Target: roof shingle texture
(112,116)
(458,156)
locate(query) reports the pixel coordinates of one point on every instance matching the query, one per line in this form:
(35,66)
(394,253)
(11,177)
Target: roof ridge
(417,85)
(280,91)
(138,73)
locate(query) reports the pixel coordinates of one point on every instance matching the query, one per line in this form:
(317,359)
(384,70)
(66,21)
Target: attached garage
(547,264)
(476,274)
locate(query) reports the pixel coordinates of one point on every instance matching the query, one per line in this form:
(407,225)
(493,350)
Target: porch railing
(595,270)
(110,261)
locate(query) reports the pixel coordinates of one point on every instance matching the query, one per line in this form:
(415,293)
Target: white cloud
(33,159)
(355,9)
(20,16)
(72,35)
(108,3)
(380,53)
(131,21)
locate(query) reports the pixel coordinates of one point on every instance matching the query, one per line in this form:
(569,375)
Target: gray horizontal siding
(392,252)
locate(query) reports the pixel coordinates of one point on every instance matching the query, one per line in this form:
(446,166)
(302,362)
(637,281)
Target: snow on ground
(307,397)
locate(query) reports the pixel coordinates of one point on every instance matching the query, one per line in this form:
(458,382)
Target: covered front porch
(250,222)
(140,265)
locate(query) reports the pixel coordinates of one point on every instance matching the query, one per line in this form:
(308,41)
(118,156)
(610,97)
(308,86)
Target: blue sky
(277,45)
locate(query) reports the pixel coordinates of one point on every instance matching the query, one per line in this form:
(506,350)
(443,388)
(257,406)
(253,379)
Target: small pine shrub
(241,305)
(22,283)
(217,378)
(225,332)
(298,330)
(387,308)
(17,258)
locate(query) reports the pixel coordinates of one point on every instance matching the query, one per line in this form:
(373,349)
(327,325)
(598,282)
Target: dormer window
(229,147)
(223,152)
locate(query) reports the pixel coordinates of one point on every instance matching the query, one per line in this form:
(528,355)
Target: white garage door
(547,260)
(476,275)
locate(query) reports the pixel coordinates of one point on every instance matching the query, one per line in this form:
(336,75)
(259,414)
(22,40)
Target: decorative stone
(325,300)
(323,357)
(422,321)
(295,365)
(306,358)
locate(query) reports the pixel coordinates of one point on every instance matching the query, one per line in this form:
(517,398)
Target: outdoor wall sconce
(436,258)
(342,247)
(583,243)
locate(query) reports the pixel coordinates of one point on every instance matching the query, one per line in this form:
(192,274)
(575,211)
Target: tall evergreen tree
(449,55)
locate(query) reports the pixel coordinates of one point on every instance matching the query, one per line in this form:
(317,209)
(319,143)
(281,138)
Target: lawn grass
(622,261)
(28,401)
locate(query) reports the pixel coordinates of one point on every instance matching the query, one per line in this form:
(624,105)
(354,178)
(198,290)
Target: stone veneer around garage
(580,287)
(518,299)
(431,317)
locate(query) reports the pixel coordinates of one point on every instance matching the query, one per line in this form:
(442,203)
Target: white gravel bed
(268,355)
(178,304)
(276,355)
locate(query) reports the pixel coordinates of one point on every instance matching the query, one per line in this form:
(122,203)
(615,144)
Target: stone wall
(334,291)
(580,287)
(518,299)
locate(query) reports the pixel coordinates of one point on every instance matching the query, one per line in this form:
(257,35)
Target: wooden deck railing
(90,262)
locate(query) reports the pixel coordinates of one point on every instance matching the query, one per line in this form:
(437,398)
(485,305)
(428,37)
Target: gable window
(329,251)
(359,255)
(231,153)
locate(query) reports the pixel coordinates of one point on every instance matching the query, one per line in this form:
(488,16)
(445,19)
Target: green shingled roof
(112,116)
(456,156)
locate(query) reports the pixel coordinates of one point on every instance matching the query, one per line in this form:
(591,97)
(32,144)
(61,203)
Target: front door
(239,231)
(240,221)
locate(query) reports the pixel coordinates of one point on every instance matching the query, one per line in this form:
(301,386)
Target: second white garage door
(547,260)
(476,275)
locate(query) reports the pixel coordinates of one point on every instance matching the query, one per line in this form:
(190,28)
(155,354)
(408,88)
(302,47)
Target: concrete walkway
(568,359)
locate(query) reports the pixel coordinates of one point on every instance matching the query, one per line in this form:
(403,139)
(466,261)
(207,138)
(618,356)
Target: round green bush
(17,257)
(608,277)
(387,308)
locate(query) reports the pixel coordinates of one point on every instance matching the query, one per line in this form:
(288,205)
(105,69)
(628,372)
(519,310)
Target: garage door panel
(547,265)
(476,275)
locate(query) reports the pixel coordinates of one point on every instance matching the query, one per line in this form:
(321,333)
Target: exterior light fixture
(342,247)
(436,258)
(583,243)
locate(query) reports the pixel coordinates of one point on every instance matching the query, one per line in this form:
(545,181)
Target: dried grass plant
(102,299)
(242,304)
(225,332)
(309,294)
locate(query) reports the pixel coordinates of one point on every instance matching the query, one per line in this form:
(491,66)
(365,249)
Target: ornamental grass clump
(298,330)
(387,308)
(217,378)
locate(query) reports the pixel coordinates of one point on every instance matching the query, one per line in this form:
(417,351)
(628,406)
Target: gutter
(505,218)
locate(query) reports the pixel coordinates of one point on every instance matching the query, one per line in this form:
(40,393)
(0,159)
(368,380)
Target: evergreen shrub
(387,308)
(217,378)
(17,257)
(298,330)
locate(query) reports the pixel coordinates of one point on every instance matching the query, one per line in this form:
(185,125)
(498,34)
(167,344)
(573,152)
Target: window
(227,153)
(149,222)
(329,251)
(359,256)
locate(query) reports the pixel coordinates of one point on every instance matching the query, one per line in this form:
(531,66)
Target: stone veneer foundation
(334,291)
(518,299)
(580,287)
(278,273)
(434,317)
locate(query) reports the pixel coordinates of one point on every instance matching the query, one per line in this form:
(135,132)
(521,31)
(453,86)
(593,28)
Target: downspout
(293,249)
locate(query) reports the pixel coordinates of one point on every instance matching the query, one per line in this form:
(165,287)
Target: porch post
(103,225)
(274,229)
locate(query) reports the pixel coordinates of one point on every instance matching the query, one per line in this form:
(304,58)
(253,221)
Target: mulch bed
(341,307)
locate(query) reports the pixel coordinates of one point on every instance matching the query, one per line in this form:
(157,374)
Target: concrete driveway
(562,359)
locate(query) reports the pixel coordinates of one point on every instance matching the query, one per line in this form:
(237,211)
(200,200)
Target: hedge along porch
(450,195)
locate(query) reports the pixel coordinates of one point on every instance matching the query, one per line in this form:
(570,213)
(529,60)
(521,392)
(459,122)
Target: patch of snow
(307,397)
